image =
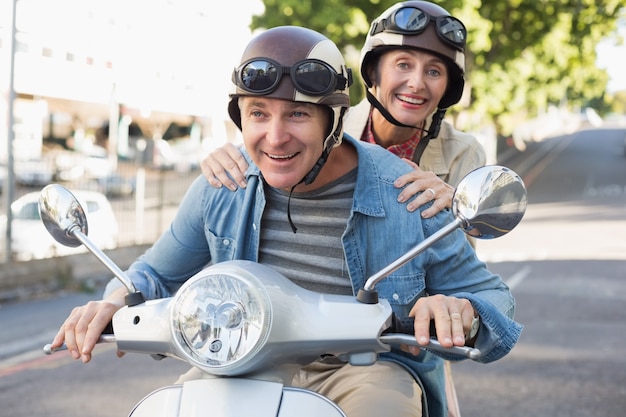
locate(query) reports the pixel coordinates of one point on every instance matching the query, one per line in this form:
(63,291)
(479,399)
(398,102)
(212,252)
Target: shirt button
(226,242)
(395,297)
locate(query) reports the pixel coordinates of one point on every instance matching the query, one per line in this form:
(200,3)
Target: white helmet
(296,64)
(425,26)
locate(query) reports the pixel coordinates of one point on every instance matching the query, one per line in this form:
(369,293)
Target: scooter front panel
(163,402)
(234,397)
(223,397)
(299,402)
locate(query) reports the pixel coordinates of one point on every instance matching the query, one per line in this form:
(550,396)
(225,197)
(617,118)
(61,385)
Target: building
(80,63)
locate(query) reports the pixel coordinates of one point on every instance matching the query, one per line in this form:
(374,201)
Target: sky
(612,57)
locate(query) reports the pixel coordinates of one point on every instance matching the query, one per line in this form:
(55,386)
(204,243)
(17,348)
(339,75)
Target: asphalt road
(566,264)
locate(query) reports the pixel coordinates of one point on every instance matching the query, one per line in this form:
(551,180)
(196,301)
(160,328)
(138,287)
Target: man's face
(284,138)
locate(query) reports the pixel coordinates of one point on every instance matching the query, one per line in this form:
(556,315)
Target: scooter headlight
(221,319)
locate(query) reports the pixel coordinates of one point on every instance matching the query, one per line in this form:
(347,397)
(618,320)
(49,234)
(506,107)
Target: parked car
(72,166)
(31,240)
(34,172)
(114,185)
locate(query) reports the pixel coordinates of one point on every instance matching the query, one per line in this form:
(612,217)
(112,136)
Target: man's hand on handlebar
(452,320)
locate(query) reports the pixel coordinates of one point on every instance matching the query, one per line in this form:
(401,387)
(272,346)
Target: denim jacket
(214,225)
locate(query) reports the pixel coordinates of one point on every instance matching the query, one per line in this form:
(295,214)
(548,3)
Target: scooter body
(300,326)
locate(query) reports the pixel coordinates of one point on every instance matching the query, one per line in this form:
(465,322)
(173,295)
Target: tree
(521,56)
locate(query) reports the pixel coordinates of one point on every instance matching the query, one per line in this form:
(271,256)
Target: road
(566,264)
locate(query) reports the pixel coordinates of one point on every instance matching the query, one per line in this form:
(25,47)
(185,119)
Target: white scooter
(236,318)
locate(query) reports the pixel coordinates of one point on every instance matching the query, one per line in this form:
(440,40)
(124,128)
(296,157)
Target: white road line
(518,277)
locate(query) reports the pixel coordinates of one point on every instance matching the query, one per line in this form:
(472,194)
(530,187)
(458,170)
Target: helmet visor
(413,21)
(260,76)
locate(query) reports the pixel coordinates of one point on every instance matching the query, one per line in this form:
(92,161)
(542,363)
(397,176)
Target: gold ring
(455,316)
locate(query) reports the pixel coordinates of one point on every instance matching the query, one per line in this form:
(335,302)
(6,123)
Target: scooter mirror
(490,201)
(61,213)
(65,219)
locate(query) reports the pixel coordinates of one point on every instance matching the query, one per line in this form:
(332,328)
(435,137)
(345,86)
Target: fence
(144,200)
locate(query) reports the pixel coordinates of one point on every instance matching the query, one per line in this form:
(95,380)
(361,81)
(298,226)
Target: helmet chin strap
(431,132)
(314,172)
(374,102)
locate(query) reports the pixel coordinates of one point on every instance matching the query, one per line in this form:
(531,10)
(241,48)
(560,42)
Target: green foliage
(522,55)
(617,102)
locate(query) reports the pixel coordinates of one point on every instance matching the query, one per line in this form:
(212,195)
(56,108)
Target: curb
(21,281)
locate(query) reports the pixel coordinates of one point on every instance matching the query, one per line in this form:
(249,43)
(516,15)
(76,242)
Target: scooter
(238,318)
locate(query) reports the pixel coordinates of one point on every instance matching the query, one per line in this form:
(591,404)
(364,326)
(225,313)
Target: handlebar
(390,339)
(105,338)
(405,339)
(402,330)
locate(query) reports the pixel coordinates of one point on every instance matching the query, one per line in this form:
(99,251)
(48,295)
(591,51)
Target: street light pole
(10,177)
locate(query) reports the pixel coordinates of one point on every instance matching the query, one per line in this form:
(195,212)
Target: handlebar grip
(405,325)
(402,325)
(107,336)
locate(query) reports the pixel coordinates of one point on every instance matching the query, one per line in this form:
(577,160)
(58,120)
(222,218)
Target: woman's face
(284,138)
(409,83)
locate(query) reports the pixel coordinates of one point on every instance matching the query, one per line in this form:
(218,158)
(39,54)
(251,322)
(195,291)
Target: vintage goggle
(259,76)
(412,21)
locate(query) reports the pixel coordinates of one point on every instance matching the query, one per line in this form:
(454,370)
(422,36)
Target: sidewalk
(20,281)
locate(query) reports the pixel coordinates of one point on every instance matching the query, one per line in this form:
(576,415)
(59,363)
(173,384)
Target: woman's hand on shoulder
(425,186)
(222,162)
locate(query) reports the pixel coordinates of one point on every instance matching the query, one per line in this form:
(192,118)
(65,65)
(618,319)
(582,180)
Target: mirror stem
(133,294)
(419,248)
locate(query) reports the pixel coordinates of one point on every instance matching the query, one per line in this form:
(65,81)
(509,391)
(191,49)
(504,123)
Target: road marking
(518,277)
(545,159)
(610,190)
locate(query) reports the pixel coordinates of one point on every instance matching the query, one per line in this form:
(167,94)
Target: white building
(77,62)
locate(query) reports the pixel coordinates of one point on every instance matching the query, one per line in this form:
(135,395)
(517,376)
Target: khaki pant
(383,389)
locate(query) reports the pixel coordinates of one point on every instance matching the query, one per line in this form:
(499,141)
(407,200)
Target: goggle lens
(452,29)
(412,21)
(259,76)
(311,77)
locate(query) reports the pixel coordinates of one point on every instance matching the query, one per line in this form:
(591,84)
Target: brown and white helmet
(296,64)
(425,26)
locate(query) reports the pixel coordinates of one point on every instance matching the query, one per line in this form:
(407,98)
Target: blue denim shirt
(214,225)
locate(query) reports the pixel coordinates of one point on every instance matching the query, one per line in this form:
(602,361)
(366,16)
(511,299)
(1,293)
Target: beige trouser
(382,389)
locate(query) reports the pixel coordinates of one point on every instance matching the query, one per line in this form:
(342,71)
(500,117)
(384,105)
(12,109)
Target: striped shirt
(313,257)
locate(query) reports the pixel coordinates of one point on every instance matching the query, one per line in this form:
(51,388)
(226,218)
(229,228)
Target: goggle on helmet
(425,26)
(296,64)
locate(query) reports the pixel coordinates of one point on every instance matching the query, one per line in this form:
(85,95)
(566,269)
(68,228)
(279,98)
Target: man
(319,209)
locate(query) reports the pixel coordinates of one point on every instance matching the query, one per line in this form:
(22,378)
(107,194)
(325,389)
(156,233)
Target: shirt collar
(402,150)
